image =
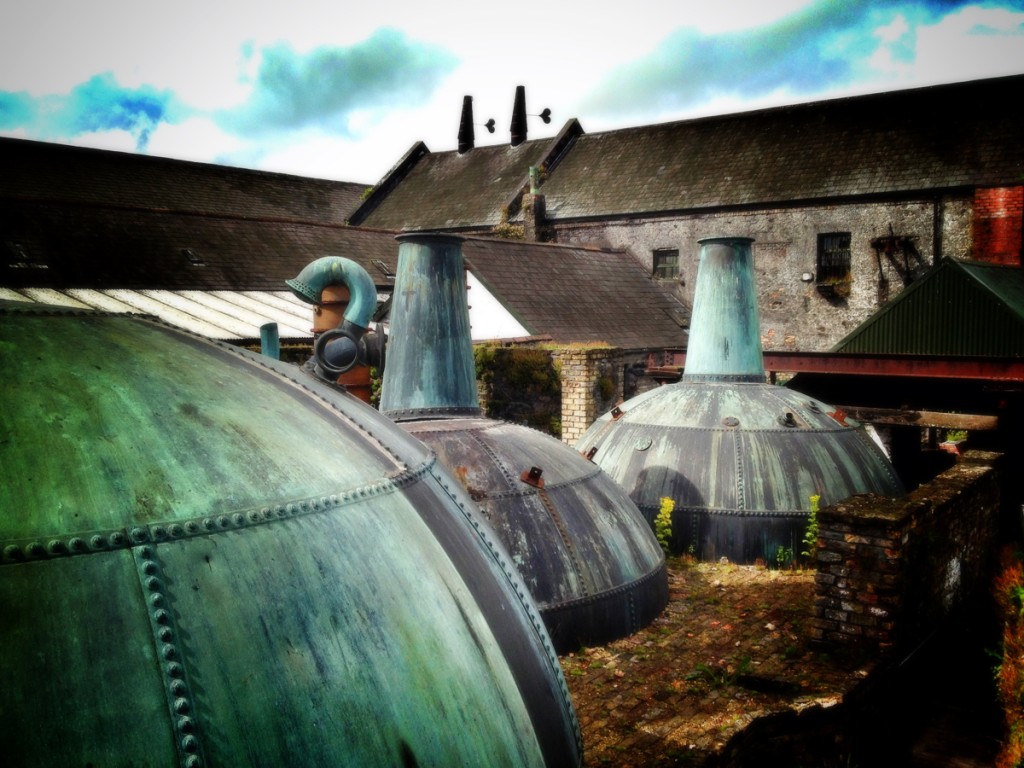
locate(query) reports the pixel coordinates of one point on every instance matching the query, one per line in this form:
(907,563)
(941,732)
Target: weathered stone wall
(890,571)
(794,314)
(591,385)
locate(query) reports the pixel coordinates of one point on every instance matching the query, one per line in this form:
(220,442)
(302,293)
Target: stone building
(848,200)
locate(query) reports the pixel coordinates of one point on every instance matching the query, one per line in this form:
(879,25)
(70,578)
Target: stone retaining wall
(891,571)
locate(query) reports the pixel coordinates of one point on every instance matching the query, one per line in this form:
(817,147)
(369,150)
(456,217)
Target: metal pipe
(270,340)
(309,284)
(337,351)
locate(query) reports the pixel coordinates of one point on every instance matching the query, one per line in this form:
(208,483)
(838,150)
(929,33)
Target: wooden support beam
(971,422)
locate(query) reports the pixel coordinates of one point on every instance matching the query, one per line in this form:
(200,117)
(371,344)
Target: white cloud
(206,58)
(974,42)
(198,138)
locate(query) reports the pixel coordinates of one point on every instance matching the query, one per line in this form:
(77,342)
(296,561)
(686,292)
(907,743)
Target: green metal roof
(957,309)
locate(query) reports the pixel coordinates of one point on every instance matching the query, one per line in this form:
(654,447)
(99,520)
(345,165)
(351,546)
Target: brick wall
(890,571)
(591,385)
(998,216)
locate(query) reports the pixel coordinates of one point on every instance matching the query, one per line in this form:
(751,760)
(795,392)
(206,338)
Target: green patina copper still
(584,550)
(739,458)
(209,559)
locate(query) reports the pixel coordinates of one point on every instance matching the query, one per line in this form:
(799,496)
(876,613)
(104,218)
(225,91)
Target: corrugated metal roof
(222,315)
(956,309)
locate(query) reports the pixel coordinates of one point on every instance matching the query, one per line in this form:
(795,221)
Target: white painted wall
(488,319)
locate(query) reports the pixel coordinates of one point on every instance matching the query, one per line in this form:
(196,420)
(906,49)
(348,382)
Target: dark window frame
(667,266)
(834,263)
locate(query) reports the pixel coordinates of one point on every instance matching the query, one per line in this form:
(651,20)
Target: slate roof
(452,191)
(890,144)
(941,137)
(153,247)
(42,171)
(85,218)
(578,294)
(61,244)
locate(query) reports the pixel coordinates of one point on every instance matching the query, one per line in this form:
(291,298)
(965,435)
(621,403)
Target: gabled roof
(41,171)
(578,293)
(61,245)
(453,191)
(220,272)
(941,137)
(956,309)
(897,143)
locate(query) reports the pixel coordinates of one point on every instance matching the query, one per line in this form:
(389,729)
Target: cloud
(17,110)
(825,46)
(97,105)
(324,87)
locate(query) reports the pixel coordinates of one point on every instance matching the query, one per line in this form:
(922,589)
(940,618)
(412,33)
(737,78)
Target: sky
(342,90)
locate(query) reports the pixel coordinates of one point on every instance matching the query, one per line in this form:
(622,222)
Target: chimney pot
(519,117)
(467,136)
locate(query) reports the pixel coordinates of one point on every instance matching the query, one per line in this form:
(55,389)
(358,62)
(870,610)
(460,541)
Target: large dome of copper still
(207,558)
(737,459)
(586,553)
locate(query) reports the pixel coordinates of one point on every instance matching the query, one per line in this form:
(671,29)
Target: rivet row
(178,694)
(81,544)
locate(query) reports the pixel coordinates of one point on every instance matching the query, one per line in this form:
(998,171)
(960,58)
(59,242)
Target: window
(834,263)
(666,263)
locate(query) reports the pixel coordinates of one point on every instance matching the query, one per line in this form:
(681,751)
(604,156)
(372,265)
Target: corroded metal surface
(587,555)
(725,329)
(739,459)
(740,462)
(430,372)
(208,559)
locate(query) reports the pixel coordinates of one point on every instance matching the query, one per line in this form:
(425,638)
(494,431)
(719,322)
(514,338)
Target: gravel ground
(732,645)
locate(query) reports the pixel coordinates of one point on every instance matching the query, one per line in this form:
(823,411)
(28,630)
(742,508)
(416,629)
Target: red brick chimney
(997,223)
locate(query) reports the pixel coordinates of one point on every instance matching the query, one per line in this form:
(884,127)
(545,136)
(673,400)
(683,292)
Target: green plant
(376,380)
(1009,671)
(520,385)
(810,540)
(663,523)
(718,676)
(507,230)
(783,556)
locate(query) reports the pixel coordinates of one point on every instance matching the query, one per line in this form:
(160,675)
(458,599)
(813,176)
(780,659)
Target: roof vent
(193,258)
(383,268)
(19,257)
